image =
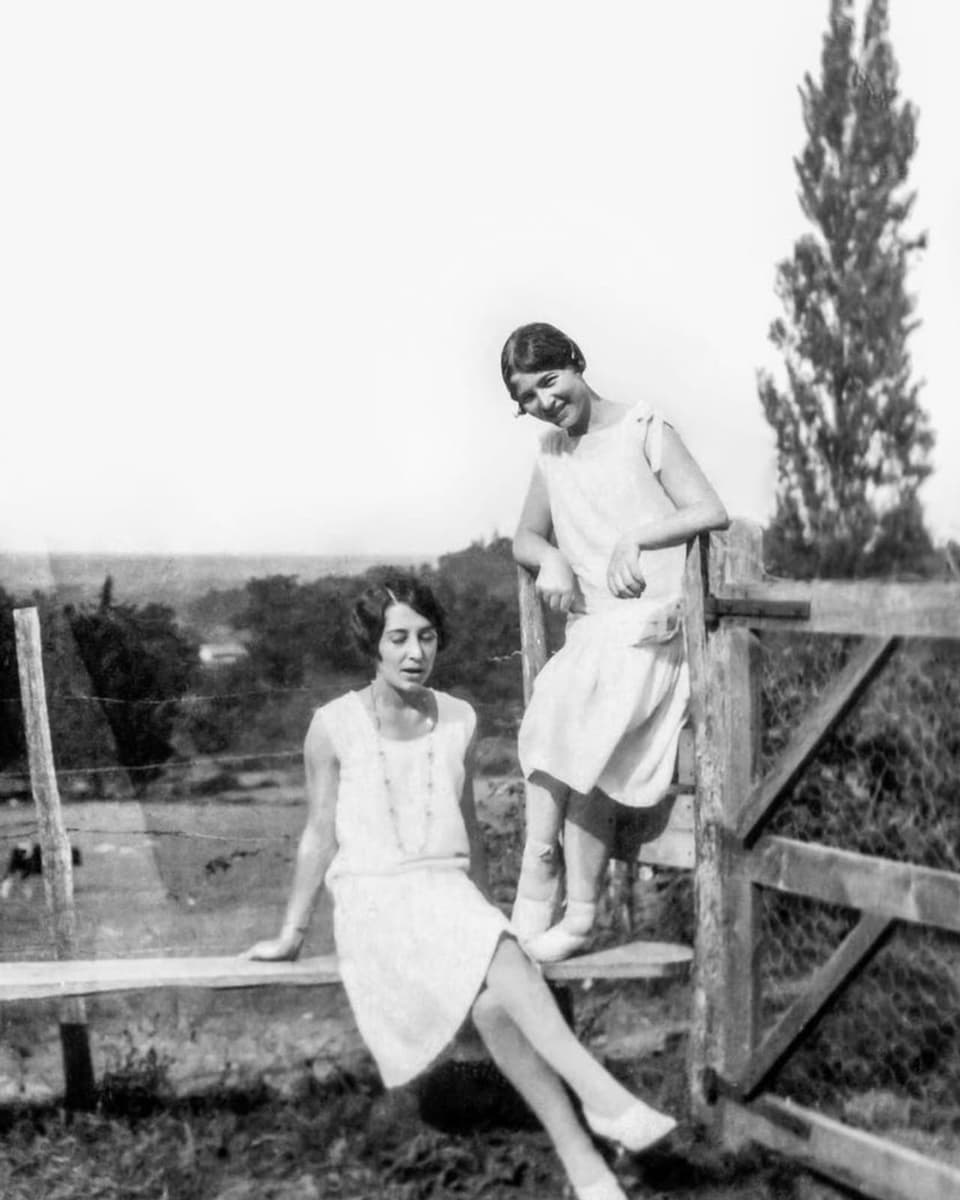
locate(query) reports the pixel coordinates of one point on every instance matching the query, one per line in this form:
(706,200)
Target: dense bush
(140,664)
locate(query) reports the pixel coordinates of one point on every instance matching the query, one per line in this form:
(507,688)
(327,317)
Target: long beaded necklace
(388,790)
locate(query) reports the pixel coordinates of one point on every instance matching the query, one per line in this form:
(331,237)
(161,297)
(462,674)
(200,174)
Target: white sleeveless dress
(607,709)
(414,935)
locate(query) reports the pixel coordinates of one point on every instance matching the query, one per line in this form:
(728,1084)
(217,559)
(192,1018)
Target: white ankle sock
(566,937)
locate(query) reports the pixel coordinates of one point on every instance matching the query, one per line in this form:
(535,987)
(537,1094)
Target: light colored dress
(607,709)
(414,935)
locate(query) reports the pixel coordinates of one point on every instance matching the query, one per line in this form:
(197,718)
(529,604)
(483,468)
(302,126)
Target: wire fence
(203,862)
(886,1056)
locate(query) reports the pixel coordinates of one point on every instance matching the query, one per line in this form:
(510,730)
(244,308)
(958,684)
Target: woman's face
(559,397)
(407,648)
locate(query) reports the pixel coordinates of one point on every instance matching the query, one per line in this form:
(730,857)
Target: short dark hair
(369,613)
(539,347)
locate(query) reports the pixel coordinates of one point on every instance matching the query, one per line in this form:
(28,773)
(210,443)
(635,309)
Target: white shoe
(556,944)
(567,937)
(637,1129)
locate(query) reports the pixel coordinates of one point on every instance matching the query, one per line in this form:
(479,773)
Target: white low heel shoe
(567,937)
(556,944)
(637,1129)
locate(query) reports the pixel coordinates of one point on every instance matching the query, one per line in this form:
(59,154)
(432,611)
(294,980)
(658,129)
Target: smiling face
(407,649)
(559,397)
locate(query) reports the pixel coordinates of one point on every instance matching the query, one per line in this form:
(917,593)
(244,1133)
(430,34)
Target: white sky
(257,260)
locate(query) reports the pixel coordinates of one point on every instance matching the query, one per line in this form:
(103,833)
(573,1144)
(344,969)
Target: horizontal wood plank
(868,607)
(921,895)
(43,980)
(40,980)
(675,849)
(870,1164)
(662,835)
(633,960)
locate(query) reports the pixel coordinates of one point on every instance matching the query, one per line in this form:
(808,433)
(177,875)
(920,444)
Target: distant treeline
(143,664)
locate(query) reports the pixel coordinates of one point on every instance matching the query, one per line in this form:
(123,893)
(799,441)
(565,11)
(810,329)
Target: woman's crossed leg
(528,1038)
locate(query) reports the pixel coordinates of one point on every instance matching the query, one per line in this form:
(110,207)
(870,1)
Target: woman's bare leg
(516,985)
(542,1089)
(587,839)
(538,885)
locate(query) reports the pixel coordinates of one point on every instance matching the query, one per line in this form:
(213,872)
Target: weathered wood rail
(79,977)
(721,835)
(729,606)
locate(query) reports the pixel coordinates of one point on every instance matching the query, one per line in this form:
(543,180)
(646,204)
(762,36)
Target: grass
(346,1138)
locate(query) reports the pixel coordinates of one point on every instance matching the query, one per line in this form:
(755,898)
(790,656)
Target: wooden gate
(729,607)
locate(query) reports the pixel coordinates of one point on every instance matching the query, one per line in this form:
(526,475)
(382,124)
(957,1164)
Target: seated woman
(391,827)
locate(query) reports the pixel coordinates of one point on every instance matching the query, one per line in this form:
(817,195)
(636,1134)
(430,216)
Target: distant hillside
(176,580)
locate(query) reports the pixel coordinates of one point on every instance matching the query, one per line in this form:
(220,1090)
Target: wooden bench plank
(87,977)
(633,960)
(45,980)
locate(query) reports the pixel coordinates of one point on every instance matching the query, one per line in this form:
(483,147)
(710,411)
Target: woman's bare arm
(532,547)
(698,509)
(316,849)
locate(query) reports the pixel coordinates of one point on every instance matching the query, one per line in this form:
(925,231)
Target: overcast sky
(258,260)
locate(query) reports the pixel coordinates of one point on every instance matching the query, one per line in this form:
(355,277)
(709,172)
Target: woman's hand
(555,582)
(624,576)
(285,948)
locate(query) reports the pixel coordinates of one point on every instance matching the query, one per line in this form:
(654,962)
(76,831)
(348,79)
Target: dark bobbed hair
(369,614)
(539,347)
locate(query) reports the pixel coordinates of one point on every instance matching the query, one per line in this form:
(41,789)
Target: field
(270,1092)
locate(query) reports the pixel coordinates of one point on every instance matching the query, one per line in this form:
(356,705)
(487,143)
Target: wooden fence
(729,604)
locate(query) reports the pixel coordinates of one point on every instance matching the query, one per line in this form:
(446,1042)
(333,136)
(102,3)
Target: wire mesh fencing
(886,783)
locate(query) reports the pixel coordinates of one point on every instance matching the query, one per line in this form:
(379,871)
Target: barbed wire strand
(156,833)
(206,760)
(213,697)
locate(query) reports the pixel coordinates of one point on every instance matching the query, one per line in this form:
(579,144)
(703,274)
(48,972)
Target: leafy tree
(853,442)
(299,633)
(294,626)
(141,664)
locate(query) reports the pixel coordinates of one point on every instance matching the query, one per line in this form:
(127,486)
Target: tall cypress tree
(853,442)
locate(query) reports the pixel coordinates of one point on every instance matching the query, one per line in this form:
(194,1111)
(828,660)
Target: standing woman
(391,827)
(615,496)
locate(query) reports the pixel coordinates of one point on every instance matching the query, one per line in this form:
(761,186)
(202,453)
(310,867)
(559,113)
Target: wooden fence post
(533,632)
(725,682)
(79,1089)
